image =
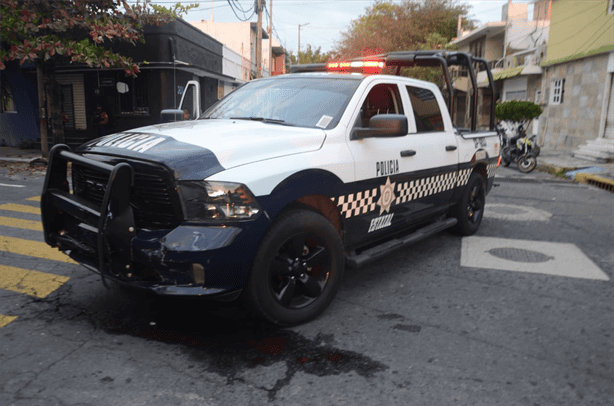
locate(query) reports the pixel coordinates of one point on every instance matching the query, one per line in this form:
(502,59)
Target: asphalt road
(520,314)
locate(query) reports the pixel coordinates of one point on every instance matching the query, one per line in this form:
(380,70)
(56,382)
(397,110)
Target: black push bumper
(186,260)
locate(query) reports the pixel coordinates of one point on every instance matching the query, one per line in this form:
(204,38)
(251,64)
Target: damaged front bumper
(187,260)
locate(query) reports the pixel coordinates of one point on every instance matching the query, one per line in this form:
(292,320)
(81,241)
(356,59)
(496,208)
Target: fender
(303,183)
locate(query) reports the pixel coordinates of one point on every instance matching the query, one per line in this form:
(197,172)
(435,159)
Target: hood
(199,149)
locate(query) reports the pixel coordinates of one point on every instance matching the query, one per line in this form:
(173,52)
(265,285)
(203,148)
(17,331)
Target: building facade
(241,37)
(514,48)
(175,53)
(577,81)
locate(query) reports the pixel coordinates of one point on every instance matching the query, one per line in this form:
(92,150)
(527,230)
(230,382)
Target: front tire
(527,163)
(470,209)
(297,270)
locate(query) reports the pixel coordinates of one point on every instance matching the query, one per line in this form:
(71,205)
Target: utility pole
(298,54)
(271,38)
(259,42)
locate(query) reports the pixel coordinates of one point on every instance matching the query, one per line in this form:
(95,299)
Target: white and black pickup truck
(277,187)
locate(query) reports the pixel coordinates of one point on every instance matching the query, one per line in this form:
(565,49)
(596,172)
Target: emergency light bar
(364,66)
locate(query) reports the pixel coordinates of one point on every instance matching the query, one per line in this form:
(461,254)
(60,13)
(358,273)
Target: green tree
(410,25)
(53,33)
(310,55)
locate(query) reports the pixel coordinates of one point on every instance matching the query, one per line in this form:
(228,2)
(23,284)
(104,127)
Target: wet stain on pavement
(225,339)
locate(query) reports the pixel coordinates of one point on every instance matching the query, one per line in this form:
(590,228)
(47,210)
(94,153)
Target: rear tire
(470,209)
(297,270)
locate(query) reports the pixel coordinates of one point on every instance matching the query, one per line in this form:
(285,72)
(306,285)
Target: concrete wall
(493,51)
(236,36)
(576,120)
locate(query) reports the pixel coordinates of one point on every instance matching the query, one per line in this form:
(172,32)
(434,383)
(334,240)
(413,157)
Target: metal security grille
(154,200)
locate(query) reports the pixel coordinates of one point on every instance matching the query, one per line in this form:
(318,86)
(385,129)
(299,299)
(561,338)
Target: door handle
(451,148)
(408,152)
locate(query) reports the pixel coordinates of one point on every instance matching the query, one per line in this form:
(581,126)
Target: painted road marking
(4,320)
(33,283)
(19,223)
(22,208)
(549,258)
(34,199)
(4,184)
(515,213)
(32,249)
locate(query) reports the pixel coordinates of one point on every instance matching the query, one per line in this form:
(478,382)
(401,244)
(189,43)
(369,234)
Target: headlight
(217,201)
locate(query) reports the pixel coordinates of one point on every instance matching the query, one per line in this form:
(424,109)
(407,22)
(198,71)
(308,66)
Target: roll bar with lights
(444,59)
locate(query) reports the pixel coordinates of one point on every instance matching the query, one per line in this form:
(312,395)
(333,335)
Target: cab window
(426,110)
(382,99)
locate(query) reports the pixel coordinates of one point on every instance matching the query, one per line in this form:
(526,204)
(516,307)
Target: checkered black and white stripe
(491,169)
(463,177)
(363,202)
(355,204)
(419,188)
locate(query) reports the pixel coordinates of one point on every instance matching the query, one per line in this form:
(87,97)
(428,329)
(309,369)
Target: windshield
(300,101)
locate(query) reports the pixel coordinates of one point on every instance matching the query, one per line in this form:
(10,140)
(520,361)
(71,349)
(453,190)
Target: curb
(595,180)
(24,160)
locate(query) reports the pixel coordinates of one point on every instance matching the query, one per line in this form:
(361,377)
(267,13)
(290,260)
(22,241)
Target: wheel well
(323,205)
(481,169)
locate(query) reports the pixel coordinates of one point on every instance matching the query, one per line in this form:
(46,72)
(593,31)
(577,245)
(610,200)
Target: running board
(356,260)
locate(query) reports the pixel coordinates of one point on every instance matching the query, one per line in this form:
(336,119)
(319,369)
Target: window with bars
(68,109)
(558,90)
(135,100)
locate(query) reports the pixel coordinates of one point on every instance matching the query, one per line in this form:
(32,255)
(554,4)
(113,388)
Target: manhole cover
(519,255)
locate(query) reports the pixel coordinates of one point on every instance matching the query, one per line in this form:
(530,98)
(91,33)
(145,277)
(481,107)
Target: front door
(405,178)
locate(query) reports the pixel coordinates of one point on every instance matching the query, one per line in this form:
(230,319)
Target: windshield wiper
(262,119)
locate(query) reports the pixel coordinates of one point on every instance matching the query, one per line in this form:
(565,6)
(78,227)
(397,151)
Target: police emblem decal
(386,196)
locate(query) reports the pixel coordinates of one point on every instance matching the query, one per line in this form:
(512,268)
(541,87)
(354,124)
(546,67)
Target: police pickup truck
(279,186)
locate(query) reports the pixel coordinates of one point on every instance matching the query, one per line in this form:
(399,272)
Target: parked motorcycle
(520,149)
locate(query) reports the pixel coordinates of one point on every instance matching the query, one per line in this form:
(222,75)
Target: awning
(520,70)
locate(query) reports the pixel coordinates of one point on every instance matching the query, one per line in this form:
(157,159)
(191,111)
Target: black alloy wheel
(297,270)
(470,210)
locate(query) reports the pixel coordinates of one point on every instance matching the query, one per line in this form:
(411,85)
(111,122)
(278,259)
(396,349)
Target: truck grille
(154,201)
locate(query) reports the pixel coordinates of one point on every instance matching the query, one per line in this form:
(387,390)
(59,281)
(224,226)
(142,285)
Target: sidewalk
(14,154)
(556,163)
(580,170)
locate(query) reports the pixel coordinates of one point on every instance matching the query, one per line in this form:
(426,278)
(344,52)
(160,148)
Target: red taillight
(499,161)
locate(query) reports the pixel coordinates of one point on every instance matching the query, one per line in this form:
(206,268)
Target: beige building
(513,47)
(578,80)
(241,38)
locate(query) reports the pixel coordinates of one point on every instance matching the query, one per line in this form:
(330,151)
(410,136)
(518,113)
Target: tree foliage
(78,31)
(310,55)
(517,111)
(410,25)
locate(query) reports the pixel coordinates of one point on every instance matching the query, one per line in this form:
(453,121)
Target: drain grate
(600,184)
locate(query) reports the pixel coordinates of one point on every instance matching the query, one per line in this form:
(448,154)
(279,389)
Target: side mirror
(170,115)
(383,125)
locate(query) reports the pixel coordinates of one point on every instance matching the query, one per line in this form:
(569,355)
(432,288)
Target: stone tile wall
(576,120)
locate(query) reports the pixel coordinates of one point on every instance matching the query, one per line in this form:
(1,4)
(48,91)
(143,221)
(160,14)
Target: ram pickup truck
(277,187)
